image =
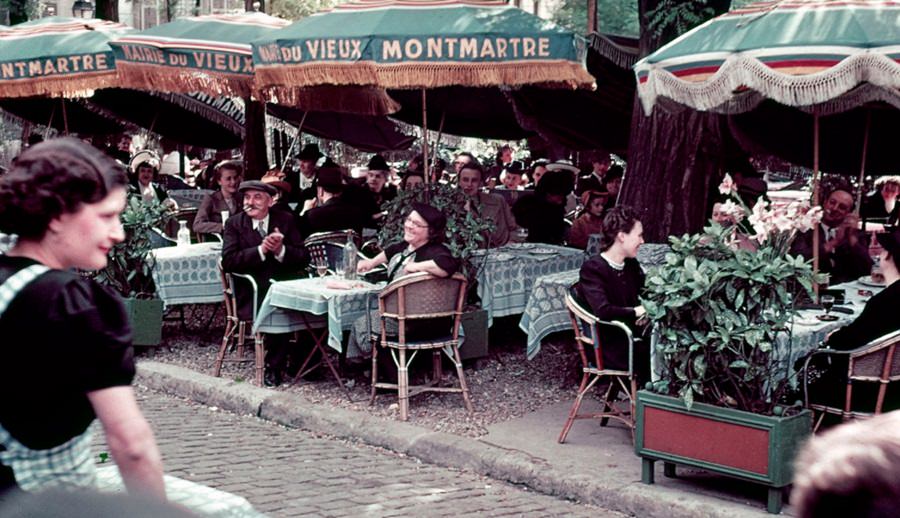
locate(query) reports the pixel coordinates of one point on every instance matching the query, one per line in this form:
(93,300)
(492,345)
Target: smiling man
(843,250)
(265,244)
(486,206)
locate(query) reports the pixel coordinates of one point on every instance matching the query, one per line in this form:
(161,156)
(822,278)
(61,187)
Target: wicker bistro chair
(875,362)
(237,330)
(415,297)
(328,247)
(587,339)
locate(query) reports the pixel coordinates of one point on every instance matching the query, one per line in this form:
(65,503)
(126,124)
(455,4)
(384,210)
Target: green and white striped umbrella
(796,52)
(209,54)
(57,56)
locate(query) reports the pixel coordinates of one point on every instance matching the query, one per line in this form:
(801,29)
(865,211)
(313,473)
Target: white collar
(261,222)
(614,265)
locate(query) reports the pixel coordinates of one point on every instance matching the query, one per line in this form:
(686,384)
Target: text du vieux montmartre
(451,48)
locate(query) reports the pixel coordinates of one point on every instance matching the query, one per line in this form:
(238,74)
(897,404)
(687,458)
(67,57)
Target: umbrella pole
(816,197)
(437,142)
(862,164)
(425,139)
(50,122)
(287,154)
(62,103)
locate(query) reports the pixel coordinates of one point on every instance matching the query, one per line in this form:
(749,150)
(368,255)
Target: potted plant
(130,265)
(721,306)
(463,236)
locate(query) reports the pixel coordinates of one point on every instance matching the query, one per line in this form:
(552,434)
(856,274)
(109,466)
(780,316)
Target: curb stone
(443,449)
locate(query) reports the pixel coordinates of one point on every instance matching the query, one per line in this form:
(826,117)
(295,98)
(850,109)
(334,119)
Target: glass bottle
(350,258)
(184,235)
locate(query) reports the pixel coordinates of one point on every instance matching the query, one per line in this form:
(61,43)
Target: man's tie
(262,230)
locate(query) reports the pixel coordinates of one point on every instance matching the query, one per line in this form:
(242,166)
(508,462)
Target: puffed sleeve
(99,353)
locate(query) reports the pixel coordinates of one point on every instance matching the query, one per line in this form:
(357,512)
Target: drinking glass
(321,266)
(827,303)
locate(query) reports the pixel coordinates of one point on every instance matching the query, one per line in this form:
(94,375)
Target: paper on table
(340,284)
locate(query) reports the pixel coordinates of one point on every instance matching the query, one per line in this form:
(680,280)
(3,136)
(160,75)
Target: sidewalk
(596,465)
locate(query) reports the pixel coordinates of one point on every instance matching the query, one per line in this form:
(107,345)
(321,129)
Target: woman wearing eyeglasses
(422,248)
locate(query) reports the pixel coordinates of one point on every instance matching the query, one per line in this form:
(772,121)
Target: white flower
(734,211)
(727,185)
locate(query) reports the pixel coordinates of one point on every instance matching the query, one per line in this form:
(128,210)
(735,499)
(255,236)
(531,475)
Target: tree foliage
(615,16)
(297,9)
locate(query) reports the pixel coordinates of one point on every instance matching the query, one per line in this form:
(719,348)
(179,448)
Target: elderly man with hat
(266,245)
(228,175)
(332,211)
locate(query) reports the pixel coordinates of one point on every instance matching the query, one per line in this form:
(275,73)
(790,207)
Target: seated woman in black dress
(610,284)
(877,319)
(66,346)
(422,250)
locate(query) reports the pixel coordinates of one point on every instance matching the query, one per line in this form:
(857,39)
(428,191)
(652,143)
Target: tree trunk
(675,159)
(107,10)
(255,160)
(674,165)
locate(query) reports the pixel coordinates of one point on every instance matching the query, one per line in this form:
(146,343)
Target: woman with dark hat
(878,318)
(422,250)
(67,356)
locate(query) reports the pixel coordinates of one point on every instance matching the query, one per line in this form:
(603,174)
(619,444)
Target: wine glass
(827,302)
(321,266)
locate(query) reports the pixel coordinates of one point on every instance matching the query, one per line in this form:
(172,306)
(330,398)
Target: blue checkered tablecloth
(335,308)
(188,274)
(546,311)
(507,274)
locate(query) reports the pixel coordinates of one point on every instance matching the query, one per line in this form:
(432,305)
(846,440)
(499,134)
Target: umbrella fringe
(364,100)
(169,79)
(82,85)
(739,72)
(619,55)
(204,110)
(561,74)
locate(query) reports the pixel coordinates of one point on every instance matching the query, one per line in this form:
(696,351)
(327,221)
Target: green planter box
(146,320)
(474,324)
(730,442)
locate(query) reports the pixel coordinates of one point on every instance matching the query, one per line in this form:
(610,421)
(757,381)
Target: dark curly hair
(53,178)
(619,219)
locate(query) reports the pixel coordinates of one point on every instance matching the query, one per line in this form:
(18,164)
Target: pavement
(284,472)
(596,465)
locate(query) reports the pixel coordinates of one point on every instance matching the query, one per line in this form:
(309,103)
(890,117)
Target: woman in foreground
(66,339)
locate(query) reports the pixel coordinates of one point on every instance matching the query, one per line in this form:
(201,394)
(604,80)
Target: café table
(506,274)
(199,499)
(302,303)
(189,198)
(188,274)
(546,312)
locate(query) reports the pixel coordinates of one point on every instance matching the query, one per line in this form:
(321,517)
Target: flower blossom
(735,212)
(727,186)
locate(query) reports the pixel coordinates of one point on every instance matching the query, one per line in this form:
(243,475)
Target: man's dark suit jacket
(336,214)
(845,263)
(240,255)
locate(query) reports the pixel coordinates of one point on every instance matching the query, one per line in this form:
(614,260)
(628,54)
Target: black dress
(829,374)
(63,337)
(612,294)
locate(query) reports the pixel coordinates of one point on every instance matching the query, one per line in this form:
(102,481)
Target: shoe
(272,378)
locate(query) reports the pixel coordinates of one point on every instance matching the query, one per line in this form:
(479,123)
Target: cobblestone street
(285,472)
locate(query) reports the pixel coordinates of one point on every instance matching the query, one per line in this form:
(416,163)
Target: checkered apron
(67,465)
